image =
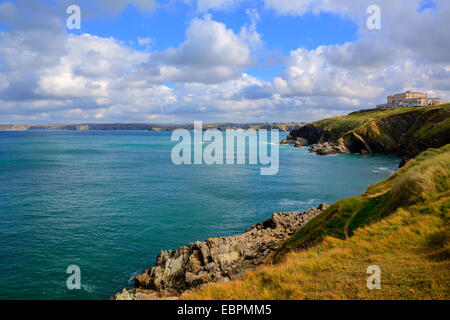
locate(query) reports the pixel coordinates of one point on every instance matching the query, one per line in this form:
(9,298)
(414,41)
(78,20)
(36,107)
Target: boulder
(328,148)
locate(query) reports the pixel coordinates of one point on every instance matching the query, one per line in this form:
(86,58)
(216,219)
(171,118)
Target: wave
(383,170)
(88,288)
(134,274)
(297,203)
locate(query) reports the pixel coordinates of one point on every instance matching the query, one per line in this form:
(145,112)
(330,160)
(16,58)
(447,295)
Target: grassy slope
(379,126)
(341,124)
(400,224)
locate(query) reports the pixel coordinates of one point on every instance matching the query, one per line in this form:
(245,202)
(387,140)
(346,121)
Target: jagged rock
(216,259)
(124,295)
(251,256)
(327,148)
(304,136)
(301,142)
(136,294)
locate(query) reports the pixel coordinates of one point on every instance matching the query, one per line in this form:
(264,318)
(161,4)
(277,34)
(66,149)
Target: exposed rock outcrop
(327,148)
(402,132)
(216,259)
(304,136)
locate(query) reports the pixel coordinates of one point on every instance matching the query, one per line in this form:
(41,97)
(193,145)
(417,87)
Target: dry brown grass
(336,269)
(411,246)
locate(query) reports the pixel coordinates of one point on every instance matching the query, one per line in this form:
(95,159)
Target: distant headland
(149,126)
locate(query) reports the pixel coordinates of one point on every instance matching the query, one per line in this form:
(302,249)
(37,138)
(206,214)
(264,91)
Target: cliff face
(404,132)
(216,259)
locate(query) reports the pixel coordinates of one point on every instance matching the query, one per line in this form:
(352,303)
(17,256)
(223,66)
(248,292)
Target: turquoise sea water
(109,201)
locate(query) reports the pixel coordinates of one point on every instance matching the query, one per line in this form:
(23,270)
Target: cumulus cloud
(404,24)
(309,74)
(211,54)
(401,56)
(364,55)
(48,75)
(249,32)
(90,65)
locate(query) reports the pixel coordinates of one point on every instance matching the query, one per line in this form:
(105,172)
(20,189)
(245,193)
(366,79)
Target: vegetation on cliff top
(340,125)
(404,132)
(400,224)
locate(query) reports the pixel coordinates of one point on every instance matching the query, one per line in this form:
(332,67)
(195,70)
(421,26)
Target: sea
(110,201)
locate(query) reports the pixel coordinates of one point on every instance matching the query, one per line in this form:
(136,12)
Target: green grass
(400,224)
(330,223)
(422,179)
(373,210)
(340,125)
(402,131)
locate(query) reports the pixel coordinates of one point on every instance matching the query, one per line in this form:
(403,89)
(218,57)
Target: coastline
(216,260)
(226,259)
(284,127)
(403,132)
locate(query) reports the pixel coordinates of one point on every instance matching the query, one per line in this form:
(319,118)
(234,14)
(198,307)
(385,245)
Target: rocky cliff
(216,259)
(404,132)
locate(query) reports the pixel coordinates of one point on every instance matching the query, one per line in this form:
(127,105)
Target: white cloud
(48,75)
(308,73)
(249,32)
(211,53)
(401,56)
(311,73)
(88,68)
(145,41)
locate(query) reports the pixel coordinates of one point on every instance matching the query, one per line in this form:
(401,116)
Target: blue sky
(216,60)
(280,33)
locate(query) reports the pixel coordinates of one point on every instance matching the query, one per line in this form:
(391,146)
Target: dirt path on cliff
(348,224)
(376,195)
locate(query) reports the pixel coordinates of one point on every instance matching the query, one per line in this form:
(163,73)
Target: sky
(179,61)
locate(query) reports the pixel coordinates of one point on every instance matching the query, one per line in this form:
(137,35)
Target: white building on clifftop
(409,98)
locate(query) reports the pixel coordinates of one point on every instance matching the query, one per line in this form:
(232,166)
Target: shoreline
(388,132)
(216,260)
